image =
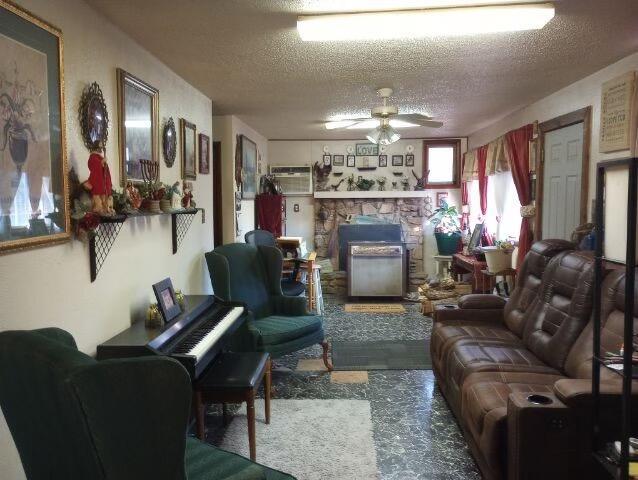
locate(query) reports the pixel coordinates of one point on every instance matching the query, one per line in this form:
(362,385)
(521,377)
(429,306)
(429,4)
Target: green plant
(445,219)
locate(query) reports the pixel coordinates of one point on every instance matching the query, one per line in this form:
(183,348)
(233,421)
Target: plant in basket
(447,229)
(499,256)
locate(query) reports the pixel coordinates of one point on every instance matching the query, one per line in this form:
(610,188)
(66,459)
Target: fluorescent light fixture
(424,23)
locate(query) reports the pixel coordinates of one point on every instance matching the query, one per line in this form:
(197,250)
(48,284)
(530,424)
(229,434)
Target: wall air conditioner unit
(294,180)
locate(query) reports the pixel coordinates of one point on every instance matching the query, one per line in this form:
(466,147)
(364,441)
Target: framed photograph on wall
(204,154)
(337,160)
(34,208)
(397,160)
(138,105)
(383,160)
(166,300)
(248,168)
(351,160)
(327,160)
(189,149)
(409,160)
(440,198)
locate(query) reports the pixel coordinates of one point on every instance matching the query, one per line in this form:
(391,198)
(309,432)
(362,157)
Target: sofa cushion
(446,334)
(276,329)
(205,462)
(484,408)
(467,358)
(557,319)
(529,281)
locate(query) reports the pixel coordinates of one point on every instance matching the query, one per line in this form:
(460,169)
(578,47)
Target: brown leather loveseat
(517,374)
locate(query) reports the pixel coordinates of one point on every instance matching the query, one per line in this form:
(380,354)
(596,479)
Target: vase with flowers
(447,229)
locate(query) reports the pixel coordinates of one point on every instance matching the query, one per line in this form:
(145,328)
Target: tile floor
(415,434)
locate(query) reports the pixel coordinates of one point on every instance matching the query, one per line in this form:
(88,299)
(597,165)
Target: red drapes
(465,200)
(481,159)
(517,145)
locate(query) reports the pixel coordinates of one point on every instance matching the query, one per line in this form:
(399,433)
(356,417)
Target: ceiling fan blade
(418,119)
(344,123)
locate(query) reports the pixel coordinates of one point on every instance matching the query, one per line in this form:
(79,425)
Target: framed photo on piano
(166,300)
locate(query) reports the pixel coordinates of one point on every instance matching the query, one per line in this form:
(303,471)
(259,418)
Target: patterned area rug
(310,439)
(374,308)
(382,355)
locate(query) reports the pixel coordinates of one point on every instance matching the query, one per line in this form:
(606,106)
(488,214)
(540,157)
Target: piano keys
(194,338)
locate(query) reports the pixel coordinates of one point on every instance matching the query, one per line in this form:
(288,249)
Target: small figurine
(188,195)
(406,184)
(175,196)
(133,195)
(381,181)
(335,186)
(99,183)
(351,183)
(420,181)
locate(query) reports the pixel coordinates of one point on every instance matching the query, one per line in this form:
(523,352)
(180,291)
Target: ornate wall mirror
(169,142)
(138,104)
(94,117)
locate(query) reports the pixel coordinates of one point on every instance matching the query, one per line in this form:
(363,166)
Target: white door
(562,181)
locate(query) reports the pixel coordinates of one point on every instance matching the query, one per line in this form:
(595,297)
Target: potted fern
(447,229)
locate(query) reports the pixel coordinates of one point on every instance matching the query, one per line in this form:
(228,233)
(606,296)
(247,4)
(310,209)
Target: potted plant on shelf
(447,230)
(499,256)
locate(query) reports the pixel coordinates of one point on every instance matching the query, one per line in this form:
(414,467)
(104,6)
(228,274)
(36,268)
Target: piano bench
(234,378)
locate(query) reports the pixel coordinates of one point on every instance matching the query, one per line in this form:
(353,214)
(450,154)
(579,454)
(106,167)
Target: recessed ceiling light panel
(424,23)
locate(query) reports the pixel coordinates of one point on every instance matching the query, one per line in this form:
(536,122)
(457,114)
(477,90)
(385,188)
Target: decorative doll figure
(188,195)
(99,183)
(176,197)
(133,195)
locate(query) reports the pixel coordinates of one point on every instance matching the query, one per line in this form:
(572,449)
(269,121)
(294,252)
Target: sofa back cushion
(612,318)
(528,283)
(559,315)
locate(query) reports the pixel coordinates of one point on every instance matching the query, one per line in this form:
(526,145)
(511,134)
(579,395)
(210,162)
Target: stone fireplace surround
(410,213)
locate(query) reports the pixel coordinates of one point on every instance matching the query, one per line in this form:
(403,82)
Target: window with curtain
(503,217)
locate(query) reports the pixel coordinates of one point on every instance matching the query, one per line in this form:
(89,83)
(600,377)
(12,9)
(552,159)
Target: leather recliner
(488,366)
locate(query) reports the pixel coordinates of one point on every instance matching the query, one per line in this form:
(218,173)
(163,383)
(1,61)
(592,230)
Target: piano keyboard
(201,339)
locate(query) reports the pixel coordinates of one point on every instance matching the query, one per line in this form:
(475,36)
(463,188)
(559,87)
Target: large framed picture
(189,149)
(138,105)
(204,153)
(249,168)
(34,209)
(166,299)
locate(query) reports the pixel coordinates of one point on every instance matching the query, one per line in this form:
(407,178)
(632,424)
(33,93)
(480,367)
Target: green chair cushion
(205,462)
(276,329)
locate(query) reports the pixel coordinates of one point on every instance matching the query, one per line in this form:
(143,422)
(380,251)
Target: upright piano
(194,338)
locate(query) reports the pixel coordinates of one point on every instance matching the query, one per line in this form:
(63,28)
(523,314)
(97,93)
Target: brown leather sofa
(489,356)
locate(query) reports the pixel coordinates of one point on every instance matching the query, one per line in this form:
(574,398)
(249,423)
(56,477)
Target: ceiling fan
(387,118)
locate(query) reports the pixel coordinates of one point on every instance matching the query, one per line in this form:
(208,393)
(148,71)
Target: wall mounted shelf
(109,228)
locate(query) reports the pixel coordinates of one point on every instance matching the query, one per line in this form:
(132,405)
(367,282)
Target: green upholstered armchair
(74,418)
(277,324)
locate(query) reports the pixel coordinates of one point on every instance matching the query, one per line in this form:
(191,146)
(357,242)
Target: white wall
(226,128)
(51,286)
(307,152)
(580,94)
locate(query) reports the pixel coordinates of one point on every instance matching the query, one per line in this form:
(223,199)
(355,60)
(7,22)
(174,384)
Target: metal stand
(619,469)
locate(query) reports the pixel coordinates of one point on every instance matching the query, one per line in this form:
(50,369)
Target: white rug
(310,439)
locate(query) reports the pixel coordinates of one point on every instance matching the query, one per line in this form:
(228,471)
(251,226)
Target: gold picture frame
(138,125)
(188,135)
(32,133)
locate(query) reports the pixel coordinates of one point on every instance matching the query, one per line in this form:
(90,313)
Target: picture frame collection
(33,56)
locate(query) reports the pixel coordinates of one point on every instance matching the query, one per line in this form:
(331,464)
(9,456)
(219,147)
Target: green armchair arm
(57,334)
(290,306)
(147,439)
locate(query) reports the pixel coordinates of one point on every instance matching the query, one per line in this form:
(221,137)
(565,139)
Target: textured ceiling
(246,55)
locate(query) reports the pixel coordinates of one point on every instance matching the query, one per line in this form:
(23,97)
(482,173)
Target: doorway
(563,175)
(218,238)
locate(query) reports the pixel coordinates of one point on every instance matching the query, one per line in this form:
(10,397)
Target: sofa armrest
(540,437)
(478,301)
(576,392)
(291,306)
